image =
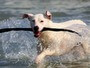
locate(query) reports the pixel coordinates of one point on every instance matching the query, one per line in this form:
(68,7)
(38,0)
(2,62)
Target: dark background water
(16,48)
(59,8)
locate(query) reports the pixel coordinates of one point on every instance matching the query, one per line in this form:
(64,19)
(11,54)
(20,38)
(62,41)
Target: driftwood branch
(29,29)
(14,29)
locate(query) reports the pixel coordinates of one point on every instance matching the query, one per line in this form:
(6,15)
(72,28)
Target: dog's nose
(36,28)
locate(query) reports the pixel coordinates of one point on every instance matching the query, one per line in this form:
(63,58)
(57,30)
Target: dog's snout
(36,28)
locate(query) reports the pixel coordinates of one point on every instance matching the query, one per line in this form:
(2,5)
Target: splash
(19,48)
(16,47)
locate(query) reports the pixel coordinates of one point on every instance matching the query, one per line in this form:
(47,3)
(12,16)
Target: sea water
(18,49)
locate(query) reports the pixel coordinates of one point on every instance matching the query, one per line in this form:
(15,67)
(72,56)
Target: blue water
(18,49)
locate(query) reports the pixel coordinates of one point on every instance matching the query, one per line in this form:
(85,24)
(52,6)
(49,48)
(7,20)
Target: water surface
(18,49)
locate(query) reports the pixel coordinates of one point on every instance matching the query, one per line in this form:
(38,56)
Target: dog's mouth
(36,31)
(37,34)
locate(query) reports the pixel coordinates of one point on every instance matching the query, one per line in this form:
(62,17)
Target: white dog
(58,43)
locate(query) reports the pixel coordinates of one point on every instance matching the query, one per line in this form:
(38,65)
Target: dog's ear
(48,15)
(27,16)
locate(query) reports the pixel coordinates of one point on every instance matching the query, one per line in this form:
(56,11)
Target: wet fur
(69,46)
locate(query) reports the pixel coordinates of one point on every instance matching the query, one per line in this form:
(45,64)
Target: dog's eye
(41,21)
(33,20)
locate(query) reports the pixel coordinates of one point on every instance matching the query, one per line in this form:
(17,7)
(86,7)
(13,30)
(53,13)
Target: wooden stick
(14,29)
(30,29)
(61,29)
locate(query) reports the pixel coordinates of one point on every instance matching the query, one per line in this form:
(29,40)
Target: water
(18,49)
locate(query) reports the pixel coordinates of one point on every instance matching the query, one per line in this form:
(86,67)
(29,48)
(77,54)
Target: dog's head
(38,21)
